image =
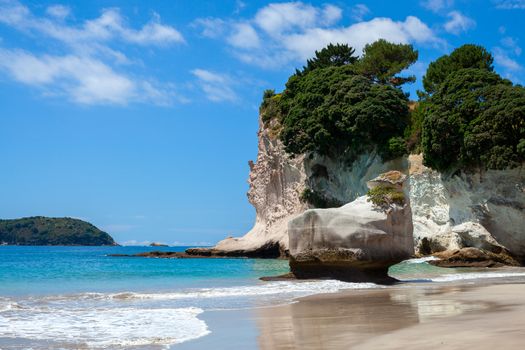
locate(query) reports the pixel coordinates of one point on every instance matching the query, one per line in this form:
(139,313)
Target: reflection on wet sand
(344,320)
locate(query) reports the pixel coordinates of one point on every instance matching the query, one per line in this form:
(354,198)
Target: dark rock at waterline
(474,257)
(194,253)
(270,250)
(159,254)
(342,265)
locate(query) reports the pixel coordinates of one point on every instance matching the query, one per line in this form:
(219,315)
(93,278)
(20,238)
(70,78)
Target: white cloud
(282,33)
(458,23)
(331,14)
(83,80)
(504,60)
(244,36)
(437,5)
(217,87)
(278,18)
(211,27)
(358,35)
(84,71)
(58,11)
(111,25)
(510,4)
(511,44)
(239,6)
(153,33)
(359,12)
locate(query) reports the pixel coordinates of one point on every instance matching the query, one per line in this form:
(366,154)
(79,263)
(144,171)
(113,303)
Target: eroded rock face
(277,181)
(356,242)
(484,210)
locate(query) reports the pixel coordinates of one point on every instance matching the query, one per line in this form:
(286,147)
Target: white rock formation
(351,242)
(276,183)
(483,210)
(278,180)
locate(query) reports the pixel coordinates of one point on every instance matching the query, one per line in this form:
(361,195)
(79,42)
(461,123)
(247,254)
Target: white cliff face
(277,181)
(483,210)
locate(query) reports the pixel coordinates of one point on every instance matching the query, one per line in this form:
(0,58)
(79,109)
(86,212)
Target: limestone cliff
(483,209)
(276,183)
(277,186)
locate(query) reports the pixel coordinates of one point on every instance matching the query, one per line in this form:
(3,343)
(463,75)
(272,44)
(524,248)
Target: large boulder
(356,242)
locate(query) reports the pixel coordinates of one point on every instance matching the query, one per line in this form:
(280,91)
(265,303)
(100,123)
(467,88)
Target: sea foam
(105,328)
(475,275)
(292,288)
(127,319)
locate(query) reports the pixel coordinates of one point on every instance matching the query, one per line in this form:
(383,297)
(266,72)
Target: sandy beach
(484,315)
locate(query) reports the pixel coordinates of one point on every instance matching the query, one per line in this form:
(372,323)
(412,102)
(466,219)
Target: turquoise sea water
(58,270)
(79,297)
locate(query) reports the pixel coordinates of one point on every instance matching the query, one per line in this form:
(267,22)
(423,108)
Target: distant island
(155,244)
(40,230)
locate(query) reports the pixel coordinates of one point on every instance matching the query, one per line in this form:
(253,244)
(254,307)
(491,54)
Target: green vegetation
(471,117)
(41,230)
(331,56)
(412,133)
(338,103)
(318,200)
(382,60)
(385,196)
(466,56)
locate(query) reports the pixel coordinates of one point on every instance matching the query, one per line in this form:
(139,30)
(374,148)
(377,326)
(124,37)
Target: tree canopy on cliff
(474,119)
(332,55)
(466,56)
(342,105)
(333,110)
(467,117)
(382,60)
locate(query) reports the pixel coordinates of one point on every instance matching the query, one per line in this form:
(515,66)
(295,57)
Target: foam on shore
(105,328)
(476,275)
(298,288)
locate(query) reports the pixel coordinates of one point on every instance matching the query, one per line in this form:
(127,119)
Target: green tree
(382,61)
(332,55)
(475,119)
(466,56)
(334,111)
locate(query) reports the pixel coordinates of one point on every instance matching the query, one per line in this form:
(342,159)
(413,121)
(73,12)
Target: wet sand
(485,315)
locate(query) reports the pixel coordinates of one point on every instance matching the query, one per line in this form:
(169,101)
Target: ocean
(81,298)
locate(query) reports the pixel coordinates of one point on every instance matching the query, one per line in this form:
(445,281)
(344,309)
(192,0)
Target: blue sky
(140,117)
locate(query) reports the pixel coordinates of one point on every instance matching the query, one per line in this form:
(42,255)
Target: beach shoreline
(481,314)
